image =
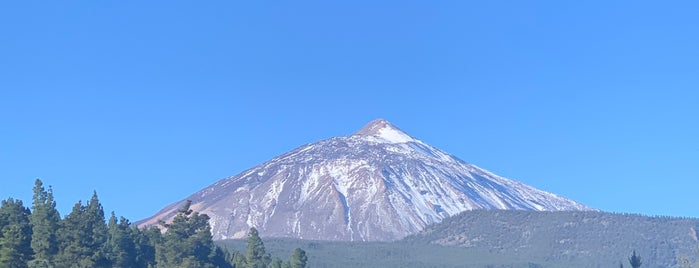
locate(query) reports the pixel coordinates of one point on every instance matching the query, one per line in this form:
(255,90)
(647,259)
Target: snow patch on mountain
(392,135)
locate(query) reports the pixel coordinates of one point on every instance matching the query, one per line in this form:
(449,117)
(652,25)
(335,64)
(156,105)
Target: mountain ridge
(378,184)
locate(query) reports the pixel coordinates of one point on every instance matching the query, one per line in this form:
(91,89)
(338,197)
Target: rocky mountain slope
(378,184)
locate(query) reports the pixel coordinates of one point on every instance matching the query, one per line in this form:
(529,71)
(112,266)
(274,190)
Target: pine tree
(238,260)
(219,258)
(187,241)
(255,255)
(70,237)
(145,242)
(635,260)
(15,234)
(44,220)
(121,249)
(276,263)
(83,236)
(298,258)
(96,233)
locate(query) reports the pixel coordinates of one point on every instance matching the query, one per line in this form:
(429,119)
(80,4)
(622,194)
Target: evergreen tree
(145,242)
(15,234)
(70,236)
(298,258)
(83,236)
(96,236)
(255,255)
(635,260)
(276,263)
(121,249)
(238,260)
(83,239)
(219,259)
(187,241)
(44,220)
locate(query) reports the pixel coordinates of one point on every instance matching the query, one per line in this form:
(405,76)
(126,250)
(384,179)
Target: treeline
(39,238)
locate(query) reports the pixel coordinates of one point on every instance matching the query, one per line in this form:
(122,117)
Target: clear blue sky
(147,102)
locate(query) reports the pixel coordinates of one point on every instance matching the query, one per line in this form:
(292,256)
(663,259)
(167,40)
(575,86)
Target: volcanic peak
(383,131)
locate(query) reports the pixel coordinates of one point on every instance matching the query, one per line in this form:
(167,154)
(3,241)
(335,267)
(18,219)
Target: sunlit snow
(392,135)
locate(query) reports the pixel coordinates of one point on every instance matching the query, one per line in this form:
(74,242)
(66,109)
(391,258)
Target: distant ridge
(515,239)
(571,238)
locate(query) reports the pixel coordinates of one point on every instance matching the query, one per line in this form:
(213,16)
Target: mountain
(378,184)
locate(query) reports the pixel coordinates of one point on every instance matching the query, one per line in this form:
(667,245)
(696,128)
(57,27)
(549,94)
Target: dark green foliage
(44,220)
(635,260)
(238,260)
(276,263)
(219,258)
(70,236)
(513,239)
(187,241)
(580,238)
(145,242)
(372,254)
(41,239)
(15,234)
(255,256)
(120,247)
(96,233)
(298,258)
(82,236)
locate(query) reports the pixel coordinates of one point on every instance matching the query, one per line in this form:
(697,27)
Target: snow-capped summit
(383,131)
(376,185)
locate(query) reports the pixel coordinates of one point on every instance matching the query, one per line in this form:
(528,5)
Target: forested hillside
(496,238)
(586,237)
